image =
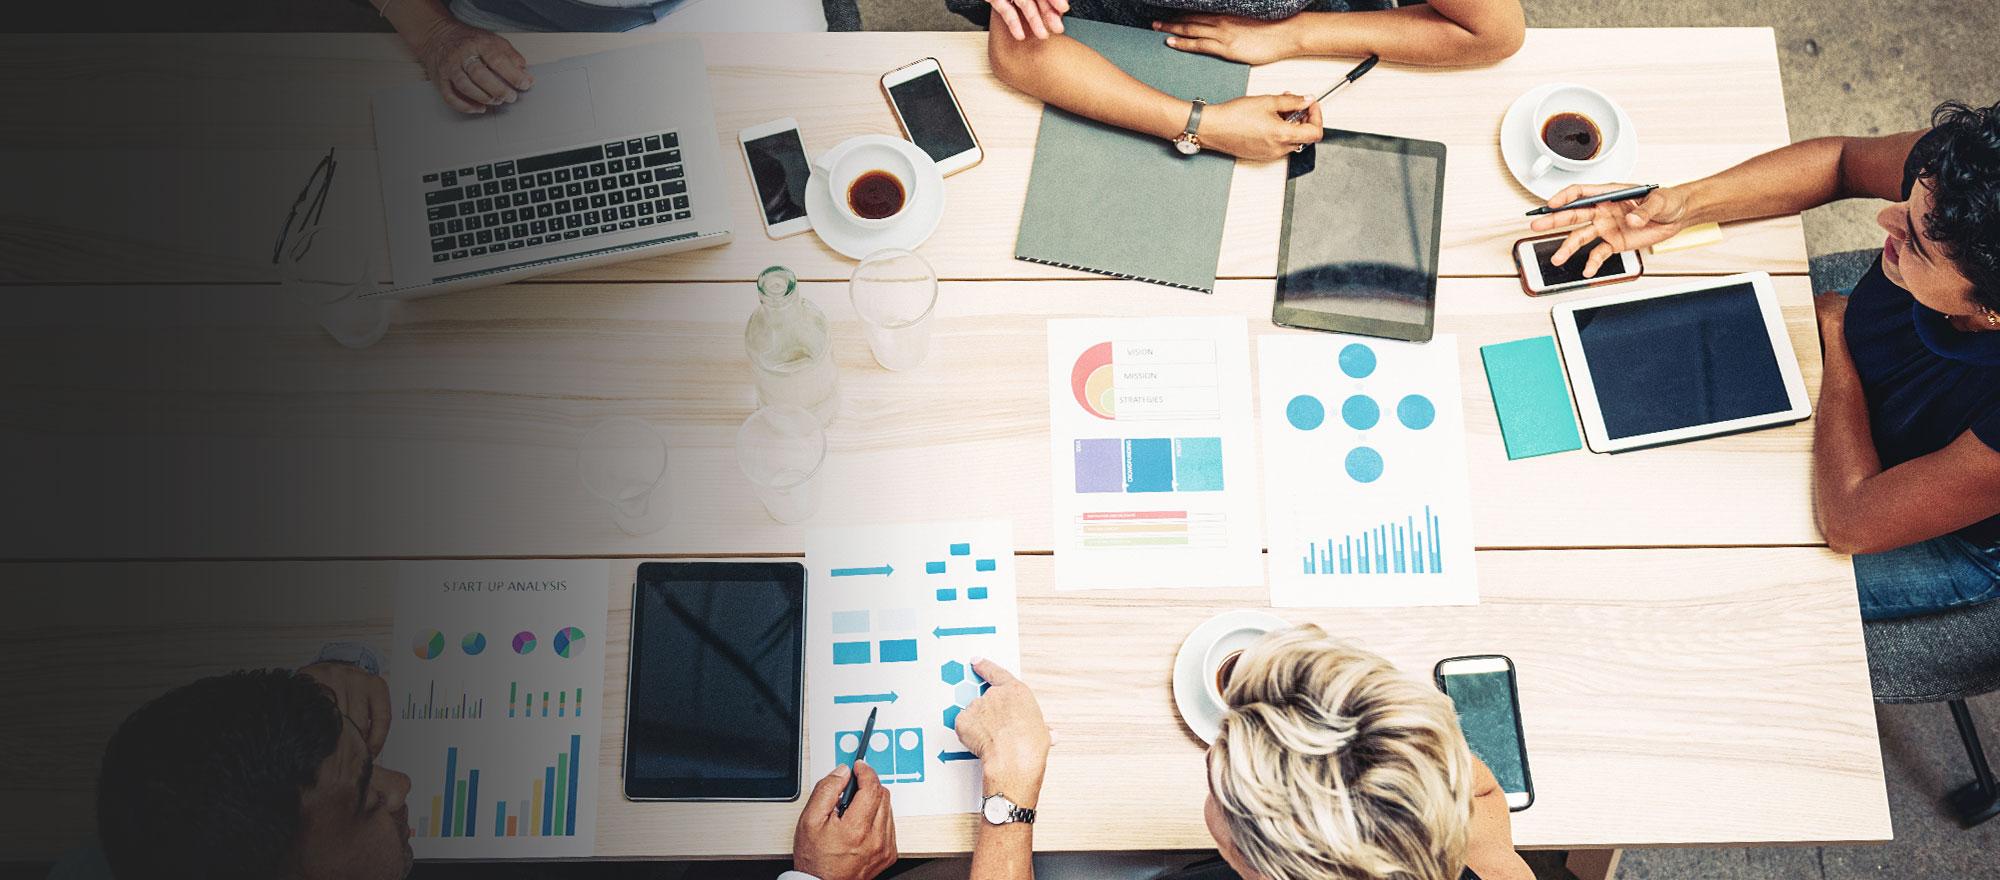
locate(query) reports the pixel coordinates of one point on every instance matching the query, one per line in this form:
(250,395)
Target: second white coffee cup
(855,158)
(1600,115)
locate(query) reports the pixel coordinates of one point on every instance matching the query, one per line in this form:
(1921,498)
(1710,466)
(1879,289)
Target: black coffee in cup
(1572,136)
(1224,670)
(875,195)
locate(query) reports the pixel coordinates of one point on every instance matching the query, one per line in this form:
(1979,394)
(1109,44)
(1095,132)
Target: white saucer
(1517,147)
(920,218)
(1202,715)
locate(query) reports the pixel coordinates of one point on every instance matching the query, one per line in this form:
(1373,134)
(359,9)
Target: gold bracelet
(384,11)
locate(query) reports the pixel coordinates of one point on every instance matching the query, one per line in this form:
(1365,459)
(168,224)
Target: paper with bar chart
(897,614)
(496,677)
(1151,440)
(1366,484)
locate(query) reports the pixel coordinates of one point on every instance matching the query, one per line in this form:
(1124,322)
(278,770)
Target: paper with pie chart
(1152,445)
(896,615)
(496,676)
(1367,489)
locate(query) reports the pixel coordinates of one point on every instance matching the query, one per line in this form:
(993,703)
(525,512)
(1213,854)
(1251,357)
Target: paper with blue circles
(1366,482)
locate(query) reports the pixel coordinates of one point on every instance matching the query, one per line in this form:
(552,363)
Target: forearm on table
(1805,175)
(1007,852)
(1844,455)
(1068,74)
(1433,34)
(414,20)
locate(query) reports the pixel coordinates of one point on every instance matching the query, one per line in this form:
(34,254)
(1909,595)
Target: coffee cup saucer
(1201,714)
(1517,148)
(920,218)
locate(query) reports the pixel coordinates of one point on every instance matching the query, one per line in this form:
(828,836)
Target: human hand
(1254,126)
(1004,727)
(1489,844)
(856,845)
(1232,37)
(1038,17)
(471,68)
(362,697)
(1616,226)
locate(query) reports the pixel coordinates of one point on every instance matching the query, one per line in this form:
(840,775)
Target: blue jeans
(1926,577)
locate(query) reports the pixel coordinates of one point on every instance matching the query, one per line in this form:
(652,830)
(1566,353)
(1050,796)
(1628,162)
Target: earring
(1992,318)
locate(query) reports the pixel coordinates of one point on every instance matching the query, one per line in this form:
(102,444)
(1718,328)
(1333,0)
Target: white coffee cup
(1580,100)
(1227,648)
(846,163)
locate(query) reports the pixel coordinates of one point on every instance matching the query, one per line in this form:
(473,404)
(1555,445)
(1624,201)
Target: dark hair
(1962,168)
(205,782)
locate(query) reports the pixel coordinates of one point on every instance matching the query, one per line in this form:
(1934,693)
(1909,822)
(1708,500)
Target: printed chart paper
(497,675)
(896,615)
(1366,482)
(1151,440)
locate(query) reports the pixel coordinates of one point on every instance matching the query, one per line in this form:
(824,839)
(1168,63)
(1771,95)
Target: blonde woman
(1331,765)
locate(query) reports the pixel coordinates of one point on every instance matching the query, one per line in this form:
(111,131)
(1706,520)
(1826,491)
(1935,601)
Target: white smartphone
(1489,711)
(778,171)
(1539,274)
(928,110)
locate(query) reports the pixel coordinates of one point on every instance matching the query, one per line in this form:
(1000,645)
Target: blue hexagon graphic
(951,717)
(966,692)
(954,672)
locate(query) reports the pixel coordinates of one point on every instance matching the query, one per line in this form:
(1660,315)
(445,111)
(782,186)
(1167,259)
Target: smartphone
(779,170)
(928,110)
(1532,258)
(1489,711)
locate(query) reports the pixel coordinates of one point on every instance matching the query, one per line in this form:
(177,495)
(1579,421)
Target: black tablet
(714,686)
(1359,249)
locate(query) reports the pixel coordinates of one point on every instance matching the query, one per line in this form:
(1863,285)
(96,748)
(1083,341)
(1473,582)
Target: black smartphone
(1489,711)
(714,695)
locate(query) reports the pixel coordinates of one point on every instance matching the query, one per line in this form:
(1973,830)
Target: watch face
(996,809)
(1187,146)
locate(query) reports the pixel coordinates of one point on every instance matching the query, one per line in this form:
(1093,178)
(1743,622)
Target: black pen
(1616,195)
(1367,64)
(854,779)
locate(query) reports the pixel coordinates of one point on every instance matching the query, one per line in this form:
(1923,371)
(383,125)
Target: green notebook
(1531,397)
(1115,202)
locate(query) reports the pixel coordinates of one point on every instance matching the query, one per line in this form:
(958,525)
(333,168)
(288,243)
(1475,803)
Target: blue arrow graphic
(889,697)
(948,757)
(943,631)
(856,572)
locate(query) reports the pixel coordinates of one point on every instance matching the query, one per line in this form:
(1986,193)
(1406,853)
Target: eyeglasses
(313,198)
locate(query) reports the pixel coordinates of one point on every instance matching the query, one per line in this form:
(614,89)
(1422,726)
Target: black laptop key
(597,201)
(442,196)
(614,166)
(443,212)
(503,169)
(676,187)
(439,258)
(597,169)
(492,188)
(628,180)
(473,223)
(653,191)
(655,160)
(502,234)
(465,239)
(454,226)
(459,255)
(437,229)
(573,190)
(431,177)
(627,212)
(441,244)
(646,220)
(634,145)
(616,148)
(544,211)
(646,176)
(680,202)
(633,194)
(539,196)
(448,178)
(671,139)
(627,224)
(562,159)
(645,209)
(520,230)
(520,200)
(653,142)
(615,198)
(572,235)
(673,155)
(507,184)
(544,179)
(562,175)
(479,252)
(485,236)
(663,206)
(683,215)
(533,241)
(672,172)
(591,185)
(485,172)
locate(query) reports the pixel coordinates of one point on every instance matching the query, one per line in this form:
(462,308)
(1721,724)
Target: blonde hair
(1333,764)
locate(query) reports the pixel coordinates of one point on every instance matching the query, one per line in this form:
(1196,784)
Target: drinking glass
(623,461)
(895,293)
(780,449)
(327,268)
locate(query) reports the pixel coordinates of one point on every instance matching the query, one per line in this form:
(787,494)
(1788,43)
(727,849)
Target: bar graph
(553,703)
(548,810)
(1390,548)
(467,707)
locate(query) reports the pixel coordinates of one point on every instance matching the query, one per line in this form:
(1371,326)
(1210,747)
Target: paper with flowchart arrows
(896,615)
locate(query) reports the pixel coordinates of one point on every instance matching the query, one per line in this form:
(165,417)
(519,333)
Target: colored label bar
(860,572)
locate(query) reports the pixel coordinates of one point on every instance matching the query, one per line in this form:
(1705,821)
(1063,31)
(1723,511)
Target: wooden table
(1691,659)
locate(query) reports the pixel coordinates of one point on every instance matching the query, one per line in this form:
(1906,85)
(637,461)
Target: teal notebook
(1531,397)
(1115,202)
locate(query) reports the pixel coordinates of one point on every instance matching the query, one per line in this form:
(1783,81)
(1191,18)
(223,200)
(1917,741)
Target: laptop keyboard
(561,196)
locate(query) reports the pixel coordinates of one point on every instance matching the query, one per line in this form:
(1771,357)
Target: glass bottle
(791,348)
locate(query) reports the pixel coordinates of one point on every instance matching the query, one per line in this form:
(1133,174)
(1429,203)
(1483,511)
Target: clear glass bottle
(791,348)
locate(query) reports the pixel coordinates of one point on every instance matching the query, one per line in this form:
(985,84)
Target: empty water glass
(623,461)
(780,449)
(895,292)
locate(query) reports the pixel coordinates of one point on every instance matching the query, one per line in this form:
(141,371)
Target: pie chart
(429,644)
(1091,380)
(524,642)
(568,639)
(473,643)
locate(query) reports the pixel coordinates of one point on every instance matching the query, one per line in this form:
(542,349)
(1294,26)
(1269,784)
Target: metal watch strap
(1021,814)
(1194,118)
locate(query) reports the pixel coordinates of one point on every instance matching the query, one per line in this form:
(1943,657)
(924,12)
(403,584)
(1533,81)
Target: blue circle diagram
(1360,412)
(1416,412)
(1357,360)
(1364,464)
(1305,412)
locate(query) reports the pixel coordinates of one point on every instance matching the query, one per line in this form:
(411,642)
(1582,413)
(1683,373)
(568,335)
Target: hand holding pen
(1617,216)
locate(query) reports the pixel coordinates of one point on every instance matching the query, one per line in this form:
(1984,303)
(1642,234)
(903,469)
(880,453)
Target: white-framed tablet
(1680,362)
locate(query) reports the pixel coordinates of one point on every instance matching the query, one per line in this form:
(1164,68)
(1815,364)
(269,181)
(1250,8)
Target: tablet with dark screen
(1359,249)
(714,694)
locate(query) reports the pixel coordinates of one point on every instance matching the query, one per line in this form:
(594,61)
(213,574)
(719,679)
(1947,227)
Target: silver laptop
(609,157)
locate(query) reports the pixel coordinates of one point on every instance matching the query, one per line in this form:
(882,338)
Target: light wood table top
(1691,659)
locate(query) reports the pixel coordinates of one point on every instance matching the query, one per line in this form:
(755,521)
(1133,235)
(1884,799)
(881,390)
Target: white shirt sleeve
(796,875)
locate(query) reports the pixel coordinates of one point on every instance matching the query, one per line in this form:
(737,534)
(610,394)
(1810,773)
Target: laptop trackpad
(559,104)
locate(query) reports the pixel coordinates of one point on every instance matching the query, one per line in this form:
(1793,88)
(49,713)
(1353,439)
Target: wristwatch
(998,810)
(1189,143)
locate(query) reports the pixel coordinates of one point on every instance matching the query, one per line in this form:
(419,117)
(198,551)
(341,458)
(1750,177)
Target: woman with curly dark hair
(1906,451)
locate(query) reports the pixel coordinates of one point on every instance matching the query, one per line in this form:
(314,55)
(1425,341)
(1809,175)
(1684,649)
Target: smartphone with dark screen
(1482,688)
